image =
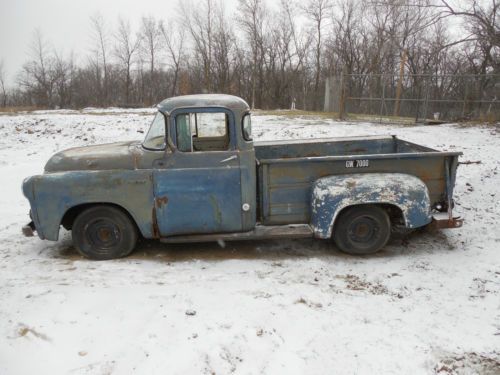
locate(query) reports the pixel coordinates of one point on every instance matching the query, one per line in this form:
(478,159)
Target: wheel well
(71,214)
(395,213)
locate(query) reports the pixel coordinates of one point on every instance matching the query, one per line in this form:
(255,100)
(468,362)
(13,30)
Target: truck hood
(119,155)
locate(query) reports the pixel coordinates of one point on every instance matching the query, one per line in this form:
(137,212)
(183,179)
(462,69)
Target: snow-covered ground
(426,304)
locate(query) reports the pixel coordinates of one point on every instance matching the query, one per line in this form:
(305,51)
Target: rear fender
(330,195)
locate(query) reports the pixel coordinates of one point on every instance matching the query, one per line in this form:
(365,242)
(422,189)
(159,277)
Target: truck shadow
(213,251)
(399,245)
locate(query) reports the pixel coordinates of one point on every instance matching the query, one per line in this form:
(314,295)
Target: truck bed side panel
(286,186)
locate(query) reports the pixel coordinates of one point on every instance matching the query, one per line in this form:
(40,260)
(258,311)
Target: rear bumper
(443,220)
(29,229)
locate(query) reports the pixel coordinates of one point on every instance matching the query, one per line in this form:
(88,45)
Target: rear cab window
(246,127)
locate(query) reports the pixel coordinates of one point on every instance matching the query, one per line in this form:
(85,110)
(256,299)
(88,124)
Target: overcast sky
(65,24)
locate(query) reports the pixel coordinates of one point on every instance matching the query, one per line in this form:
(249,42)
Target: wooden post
(400,83)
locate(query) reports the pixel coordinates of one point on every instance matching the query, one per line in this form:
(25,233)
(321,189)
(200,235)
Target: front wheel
(362,230)
(104,232)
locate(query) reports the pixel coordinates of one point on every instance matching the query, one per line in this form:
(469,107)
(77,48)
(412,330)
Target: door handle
(229,158)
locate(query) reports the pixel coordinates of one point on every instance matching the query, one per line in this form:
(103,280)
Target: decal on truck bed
(363,163)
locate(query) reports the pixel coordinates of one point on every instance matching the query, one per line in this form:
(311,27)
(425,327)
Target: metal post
(382,102)
(419,93)
(342,96)
(466,89)
(399,87)
(426,102)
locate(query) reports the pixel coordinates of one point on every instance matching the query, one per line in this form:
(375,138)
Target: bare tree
(301,40)
(174,41)
(150,49)
(317,11)
(483,17)
(199,21)
(2,84)
(223,48)
(100,38)
(125,49)
(63,70)
(37,75)
(252,16)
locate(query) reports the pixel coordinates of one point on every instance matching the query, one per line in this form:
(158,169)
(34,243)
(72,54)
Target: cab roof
(231,102)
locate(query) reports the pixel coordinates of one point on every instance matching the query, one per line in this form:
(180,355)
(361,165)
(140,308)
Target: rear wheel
(362,230)
(104,232)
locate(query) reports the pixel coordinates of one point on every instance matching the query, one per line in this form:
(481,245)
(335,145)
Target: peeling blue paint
(334,193)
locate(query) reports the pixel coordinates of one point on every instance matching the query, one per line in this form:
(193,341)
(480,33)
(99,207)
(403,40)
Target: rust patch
(454,222)
(161,201)
(309,155)
(357,150)
(155,230)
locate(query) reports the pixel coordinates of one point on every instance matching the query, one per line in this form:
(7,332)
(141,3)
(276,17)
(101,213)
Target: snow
(426,304)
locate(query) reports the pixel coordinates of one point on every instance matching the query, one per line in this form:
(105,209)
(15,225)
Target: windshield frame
(165,128)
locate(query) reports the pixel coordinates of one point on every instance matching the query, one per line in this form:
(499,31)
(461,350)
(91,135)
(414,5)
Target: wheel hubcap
(102,234)
(363,230)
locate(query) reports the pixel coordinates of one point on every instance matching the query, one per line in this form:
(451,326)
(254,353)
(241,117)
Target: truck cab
(206,178)
(198,176)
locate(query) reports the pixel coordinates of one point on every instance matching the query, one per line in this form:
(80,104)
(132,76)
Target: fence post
(466,90)
(419,92)
(399,87)
(382,102)
(342,95)
(427,92)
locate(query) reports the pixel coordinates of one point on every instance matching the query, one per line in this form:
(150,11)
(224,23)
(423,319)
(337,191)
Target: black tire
(104,232)
(362,230)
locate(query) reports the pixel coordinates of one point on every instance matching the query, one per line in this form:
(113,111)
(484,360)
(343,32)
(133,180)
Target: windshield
(155,139)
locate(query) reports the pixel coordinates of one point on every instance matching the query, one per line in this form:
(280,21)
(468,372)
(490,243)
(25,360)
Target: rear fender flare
(330,195)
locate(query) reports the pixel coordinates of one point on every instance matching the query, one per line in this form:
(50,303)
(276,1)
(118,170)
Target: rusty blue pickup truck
(199,177)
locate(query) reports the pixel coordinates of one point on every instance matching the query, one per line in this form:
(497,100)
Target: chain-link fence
(429,98)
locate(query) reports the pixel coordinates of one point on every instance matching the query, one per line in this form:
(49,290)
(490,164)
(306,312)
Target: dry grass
(19,109)
(335,116)
(295,113)
(485,119)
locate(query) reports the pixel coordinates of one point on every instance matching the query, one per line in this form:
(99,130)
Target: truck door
(198,189)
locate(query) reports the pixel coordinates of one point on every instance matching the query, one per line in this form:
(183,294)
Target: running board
(261,232)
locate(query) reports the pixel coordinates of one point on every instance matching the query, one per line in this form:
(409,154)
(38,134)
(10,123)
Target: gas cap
(245,207)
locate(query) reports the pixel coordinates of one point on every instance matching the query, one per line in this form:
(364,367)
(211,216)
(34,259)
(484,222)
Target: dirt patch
(313,305)
(469,363)
(354,282)
(23,331)
(481,287)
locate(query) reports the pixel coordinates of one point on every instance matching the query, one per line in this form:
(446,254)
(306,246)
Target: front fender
(52,195)
(332,194)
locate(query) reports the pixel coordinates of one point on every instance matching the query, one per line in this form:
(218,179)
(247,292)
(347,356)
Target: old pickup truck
(198,177)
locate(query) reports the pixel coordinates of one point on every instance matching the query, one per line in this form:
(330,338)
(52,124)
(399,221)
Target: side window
(202,131)
(247,127)
(184,135)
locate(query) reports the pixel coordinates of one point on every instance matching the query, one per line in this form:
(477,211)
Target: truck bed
(287,169)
